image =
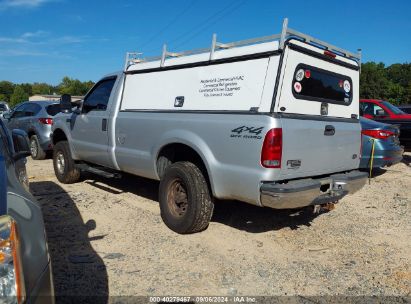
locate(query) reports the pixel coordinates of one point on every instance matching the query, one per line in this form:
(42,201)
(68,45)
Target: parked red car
(383,111)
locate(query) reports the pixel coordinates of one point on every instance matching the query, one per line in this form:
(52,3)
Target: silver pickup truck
(272,122)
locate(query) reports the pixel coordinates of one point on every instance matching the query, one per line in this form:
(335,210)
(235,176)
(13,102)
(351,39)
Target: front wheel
(185,201)
(64,166)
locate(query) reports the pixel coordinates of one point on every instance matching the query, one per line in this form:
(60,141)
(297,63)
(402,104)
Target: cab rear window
(311,83)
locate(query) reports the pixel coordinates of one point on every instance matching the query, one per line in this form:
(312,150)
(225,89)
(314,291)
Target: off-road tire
(199,206)
(37,153)
(68,174)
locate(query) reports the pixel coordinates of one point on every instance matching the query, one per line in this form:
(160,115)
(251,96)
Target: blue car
(387,148)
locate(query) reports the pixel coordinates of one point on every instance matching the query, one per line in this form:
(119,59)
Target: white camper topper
(233,86)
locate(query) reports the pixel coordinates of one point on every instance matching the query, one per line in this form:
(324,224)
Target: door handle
(329,130)
(104,125)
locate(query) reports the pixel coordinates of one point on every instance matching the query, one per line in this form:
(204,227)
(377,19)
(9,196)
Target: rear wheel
(185,201)
(64,166)
(37,152)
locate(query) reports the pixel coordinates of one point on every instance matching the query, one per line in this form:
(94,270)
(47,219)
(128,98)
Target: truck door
(90,128)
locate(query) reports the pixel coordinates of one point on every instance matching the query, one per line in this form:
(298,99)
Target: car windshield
(53,109)
(392,108)
(3,107)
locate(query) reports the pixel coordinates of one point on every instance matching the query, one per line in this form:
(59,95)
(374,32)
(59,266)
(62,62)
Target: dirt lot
(107,237)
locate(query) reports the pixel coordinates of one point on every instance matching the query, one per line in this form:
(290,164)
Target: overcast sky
(44,40)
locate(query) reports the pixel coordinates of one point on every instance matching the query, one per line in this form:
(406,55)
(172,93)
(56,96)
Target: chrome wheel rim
(60,162)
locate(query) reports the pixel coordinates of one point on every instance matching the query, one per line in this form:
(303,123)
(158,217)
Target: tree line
(377,81)
(391,83)
(16,93)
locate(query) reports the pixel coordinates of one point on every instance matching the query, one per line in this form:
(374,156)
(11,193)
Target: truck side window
(98,98)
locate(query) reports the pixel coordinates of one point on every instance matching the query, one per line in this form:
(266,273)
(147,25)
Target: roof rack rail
(133,58)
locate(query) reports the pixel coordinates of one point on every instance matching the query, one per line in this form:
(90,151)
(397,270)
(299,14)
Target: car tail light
(46,121)
(272,149)
(378,134)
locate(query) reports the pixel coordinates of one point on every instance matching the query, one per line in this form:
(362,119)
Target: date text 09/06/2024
(173,299)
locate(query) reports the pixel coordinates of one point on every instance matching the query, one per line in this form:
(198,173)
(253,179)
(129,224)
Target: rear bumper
(383,158)
(45,142)
(306,192)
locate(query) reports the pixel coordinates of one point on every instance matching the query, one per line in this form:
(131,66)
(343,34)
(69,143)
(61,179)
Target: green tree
(6,89)
(27,88)
(19,95)
(395,93)
(407,94)
(88,85)
(3,97)
(74,86)
(399,73)
(391,83)
(42,88)
(373,81)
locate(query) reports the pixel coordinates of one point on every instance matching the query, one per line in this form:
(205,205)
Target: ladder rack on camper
(133,58)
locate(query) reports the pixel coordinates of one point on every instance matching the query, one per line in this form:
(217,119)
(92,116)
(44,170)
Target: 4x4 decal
(247,132)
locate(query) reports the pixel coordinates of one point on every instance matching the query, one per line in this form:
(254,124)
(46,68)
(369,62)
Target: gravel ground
(106,237)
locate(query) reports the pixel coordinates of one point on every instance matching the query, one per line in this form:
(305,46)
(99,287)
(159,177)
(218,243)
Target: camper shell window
(311,83)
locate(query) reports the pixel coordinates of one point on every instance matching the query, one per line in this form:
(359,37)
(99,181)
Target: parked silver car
(25,269)
(36,118)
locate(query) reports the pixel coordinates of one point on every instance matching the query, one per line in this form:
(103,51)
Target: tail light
(272,149)
(378,134)
(46,121)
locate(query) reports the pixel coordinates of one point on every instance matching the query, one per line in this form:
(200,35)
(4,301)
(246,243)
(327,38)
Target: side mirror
(7,116)
(21,144)
(77,105)
(65,103)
